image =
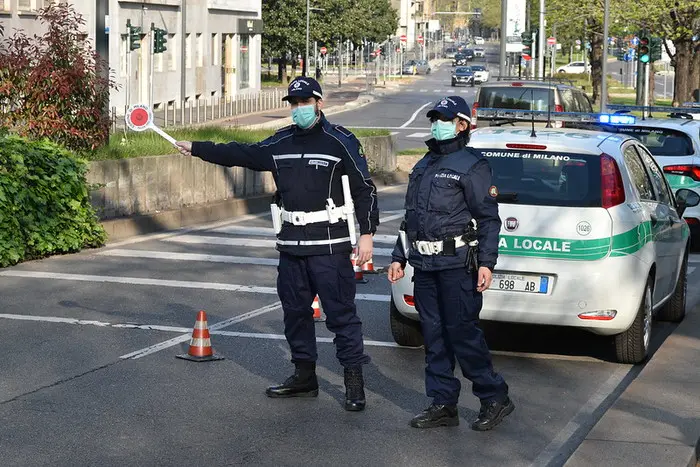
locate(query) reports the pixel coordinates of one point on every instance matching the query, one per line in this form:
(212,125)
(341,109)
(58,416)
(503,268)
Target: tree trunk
(282,71)
(683,80)
(596,58)
(695,74)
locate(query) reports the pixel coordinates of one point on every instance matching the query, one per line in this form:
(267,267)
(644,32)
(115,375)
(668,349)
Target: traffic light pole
(151,57)
(604,81)
(504,28)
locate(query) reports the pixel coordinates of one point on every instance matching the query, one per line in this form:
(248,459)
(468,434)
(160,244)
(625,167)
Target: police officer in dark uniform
(309,160)
(450,236)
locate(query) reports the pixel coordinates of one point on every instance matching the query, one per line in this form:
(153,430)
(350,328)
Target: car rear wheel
(632,346)
(674,309)
(405,331)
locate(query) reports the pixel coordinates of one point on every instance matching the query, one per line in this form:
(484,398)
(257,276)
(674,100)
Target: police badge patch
(493,191)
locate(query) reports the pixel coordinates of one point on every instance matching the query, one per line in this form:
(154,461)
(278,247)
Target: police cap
(303,88)
(451,107)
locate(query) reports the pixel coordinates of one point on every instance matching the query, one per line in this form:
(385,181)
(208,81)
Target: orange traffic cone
(318,315)
(368,267)
(200,343)
(359,276)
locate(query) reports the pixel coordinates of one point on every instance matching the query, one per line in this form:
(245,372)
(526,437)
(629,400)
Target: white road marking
(418,135)
(423,90)
(694,258)
(269,232)
(165,283)
(415,114)
(394,133)
(190,257)
(557,448)
(245,242)
(392,218)
(221,324)
(691,269)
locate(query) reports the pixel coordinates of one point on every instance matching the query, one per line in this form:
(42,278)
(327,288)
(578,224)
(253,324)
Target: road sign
(420,39)
(526,57)
(551,40)
(244,48)
(323,50)
(626,57)
(403,38)
(578,41)
(635,40)
(139,117)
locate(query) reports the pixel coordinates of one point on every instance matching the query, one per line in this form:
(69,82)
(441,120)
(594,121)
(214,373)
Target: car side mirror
(686,199)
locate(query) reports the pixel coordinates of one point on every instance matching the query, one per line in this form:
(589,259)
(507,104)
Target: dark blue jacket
(307,166)
(446,189)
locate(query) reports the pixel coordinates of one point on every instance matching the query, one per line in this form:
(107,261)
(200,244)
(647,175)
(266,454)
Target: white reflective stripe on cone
(200,342)
(200,325)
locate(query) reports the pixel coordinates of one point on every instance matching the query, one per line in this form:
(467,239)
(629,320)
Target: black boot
(435,416)
(492,413)
(302,383)
(354,389)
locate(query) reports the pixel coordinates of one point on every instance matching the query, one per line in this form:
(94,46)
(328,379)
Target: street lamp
(306,58)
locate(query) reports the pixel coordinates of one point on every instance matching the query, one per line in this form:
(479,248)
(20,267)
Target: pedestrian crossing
(445,90)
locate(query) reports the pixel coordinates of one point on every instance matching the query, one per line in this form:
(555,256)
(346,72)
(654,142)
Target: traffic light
(655,49)
(644,50)
(134,36)
(526,38)
(159,40)
(382,49)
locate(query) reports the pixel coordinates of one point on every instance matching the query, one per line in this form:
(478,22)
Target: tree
(52,83)
(284,35)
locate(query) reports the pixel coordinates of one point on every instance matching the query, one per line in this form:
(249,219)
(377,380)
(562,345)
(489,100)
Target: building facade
(221,42)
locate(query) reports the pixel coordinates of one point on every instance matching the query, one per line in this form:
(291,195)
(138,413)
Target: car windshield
(463,69)
(478,68)
(515,97)
(545,178)
(661,141)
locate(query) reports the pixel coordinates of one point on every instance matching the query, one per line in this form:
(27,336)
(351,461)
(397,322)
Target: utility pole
(541,43)
(102,42)
(183,58)
(305,68)
(504,27)
(604,82)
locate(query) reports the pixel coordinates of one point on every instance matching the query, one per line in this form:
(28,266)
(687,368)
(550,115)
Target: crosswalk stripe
(165,283)
(691,269)
(269,232)
(418,135)
(167,255)
(244,242)
(423,90)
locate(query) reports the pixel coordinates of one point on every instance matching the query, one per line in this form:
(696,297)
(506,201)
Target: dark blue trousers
(449,307)
(332,278)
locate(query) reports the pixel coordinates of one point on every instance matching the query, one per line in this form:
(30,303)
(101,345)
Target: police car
(592,235)
(675,144)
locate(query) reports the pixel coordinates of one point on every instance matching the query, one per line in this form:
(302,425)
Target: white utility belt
(435,248)
(332,214)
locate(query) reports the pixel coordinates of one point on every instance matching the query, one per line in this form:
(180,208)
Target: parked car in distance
(574,68)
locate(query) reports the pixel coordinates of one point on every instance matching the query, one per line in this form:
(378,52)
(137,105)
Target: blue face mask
(443,130)
(304,116)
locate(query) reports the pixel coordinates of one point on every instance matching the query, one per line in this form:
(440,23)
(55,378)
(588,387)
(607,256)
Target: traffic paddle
(139,117)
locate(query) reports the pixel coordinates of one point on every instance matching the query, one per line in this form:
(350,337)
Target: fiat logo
(511,224)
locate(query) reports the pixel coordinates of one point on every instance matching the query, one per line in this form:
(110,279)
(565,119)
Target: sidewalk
(656,420)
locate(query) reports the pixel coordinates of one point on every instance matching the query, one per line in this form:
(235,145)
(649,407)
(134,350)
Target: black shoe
(492,413)
(435,416)
(302,383)
(354,389)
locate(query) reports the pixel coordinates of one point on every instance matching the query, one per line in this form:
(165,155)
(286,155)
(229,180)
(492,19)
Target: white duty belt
(435,248)
(332,214)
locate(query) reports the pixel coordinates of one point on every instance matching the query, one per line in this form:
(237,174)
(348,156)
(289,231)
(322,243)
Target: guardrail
(206,109)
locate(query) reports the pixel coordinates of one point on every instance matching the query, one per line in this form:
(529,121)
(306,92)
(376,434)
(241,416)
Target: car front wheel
(632,346)
(405,331)
(674,309)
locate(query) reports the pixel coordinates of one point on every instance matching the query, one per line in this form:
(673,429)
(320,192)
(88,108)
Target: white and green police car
(592,237)
(675,144)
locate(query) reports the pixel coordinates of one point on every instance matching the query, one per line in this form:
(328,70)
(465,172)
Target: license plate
(528,283)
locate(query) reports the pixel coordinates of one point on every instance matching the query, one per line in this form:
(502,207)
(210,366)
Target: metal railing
(207,109)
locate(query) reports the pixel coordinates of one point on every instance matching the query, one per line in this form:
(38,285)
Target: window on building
(123,54)
(27,5)
(244,62)
(172,53)
(5,5)
(188,50)
(200,50)
(215,49)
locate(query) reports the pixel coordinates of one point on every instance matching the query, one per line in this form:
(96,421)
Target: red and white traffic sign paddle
(323,50)
(420,39)
(139,117)
(551,40)
(403,38)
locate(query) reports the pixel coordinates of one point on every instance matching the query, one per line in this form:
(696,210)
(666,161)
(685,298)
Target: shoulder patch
(493,191)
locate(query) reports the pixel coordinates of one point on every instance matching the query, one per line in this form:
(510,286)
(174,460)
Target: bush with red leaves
(51,85)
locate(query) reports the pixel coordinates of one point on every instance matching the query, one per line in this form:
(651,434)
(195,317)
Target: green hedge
(44,201)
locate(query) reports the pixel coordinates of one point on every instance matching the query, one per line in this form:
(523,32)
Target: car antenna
(532,112)
(549,104)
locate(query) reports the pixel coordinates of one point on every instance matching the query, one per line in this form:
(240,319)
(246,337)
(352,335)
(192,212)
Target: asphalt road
(403,113)
(89,374)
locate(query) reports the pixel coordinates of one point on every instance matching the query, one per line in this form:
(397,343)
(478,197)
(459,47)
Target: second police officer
(307,161)
(448,194)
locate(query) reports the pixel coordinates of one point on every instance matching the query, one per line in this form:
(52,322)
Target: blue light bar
(615,119)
